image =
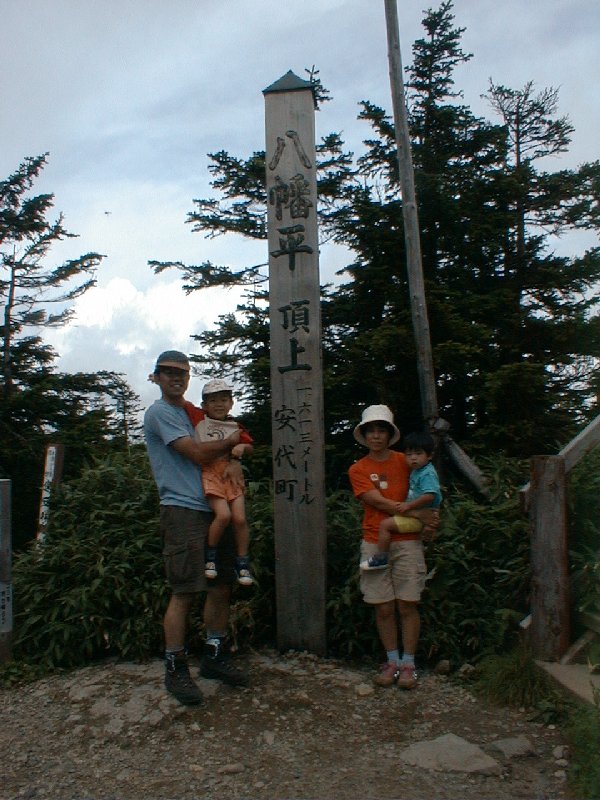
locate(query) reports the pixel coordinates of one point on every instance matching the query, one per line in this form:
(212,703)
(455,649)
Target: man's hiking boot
(178,680)
(217,665)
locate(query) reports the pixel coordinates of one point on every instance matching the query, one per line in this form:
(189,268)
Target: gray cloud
(129,96)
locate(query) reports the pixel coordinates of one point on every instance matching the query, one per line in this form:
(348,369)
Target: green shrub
(351,629)
(584,539)
(583,734)
(479,570)
(514,679)
(95,586)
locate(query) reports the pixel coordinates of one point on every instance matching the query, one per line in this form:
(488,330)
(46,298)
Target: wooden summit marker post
(296,366)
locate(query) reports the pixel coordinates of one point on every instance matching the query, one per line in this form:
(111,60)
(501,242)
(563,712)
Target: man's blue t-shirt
(178,479)
(425,481)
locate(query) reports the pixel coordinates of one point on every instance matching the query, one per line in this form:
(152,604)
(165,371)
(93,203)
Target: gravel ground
(305,728)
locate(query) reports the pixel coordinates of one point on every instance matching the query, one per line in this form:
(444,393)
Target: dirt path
(306,728)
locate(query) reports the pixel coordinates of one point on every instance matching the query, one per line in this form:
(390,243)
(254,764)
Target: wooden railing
(545,499)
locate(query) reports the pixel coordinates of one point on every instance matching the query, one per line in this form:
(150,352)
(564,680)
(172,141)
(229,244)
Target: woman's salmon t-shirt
(390,477)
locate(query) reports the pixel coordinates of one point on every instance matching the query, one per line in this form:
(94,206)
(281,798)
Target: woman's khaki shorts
(184,532)
(404,578)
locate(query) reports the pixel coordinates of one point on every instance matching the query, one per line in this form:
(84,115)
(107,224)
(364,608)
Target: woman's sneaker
(377,561)
(388,674)
(407,679)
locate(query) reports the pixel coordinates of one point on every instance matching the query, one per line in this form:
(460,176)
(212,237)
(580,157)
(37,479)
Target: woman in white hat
(380,481)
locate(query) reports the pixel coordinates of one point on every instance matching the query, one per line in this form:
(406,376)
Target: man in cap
(380,481)
(175,458)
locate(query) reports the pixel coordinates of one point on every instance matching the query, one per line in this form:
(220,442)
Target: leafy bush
(95,586)
(514,679)
(479,568)
(584,537)
(583,733)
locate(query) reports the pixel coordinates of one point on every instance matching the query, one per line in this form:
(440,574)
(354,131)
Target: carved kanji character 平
(290,243)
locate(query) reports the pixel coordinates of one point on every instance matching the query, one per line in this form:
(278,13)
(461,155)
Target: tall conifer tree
(514,326)
(88,412)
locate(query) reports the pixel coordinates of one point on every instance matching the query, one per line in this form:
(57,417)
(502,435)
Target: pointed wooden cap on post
(289,83)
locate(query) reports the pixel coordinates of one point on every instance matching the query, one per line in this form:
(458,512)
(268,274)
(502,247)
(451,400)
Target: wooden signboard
(53,467)
(296,365)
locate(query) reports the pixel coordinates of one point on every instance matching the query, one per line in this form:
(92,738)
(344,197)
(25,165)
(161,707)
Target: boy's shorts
(183,533)
(404,579)
(408,524)
(215,485)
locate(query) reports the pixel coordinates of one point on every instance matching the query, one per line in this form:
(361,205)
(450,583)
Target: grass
(514,679)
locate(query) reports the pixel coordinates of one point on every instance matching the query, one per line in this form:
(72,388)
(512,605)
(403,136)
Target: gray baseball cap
(172,358)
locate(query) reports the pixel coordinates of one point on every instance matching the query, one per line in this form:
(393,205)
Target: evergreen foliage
(514,325)
(89,413)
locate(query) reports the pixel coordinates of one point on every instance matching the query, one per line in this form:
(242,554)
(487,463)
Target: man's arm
(203,452)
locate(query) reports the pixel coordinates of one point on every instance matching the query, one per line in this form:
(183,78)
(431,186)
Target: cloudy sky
(128,97)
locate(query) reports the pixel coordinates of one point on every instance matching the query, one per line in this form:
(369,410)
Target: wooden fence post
(550,595)
(6,626)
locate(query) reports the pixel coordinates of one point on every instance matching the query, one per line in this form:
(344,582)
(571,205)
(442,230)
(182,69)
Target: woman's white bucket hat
(376,414)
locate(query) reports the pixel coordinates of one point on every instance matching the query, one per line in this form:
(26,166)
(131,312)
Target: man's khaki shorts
(404,578)
(184,533)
